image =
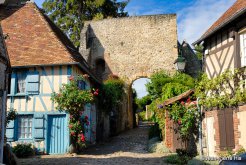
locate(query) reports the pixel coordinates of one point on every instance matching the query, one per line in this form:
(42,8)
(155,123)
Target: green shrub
(111,95)
(157,146)
(176,159)
(240,151)
(142,115)
(172,159)
(23,150)
(154,131)
(184,152)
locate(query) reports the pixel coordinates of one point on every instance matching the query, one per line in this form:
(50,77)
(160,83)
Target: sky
(139,86)
(194,17)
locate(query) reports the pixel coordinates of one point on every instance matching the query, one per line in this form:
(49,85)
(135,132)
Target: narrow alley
(129,148)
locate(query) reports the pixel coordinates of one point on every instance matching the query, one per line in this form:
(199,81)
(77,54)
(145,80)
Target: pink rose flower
(71,78)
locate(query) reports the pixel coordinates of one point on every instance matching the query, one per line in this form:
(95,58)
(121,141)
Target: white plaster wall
(210,132)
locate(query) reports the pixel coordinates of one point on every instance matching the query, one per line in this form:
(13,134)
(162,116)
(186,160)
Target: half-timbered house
(225,48)
(42,59)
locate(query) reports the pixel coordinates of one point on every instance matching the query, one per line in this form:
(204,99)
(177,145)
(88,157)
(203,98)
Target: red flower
(188,100)
(95,93)
(72,133)
(86,117)
(82,138)
(70,126)
(182,103)
(71,78)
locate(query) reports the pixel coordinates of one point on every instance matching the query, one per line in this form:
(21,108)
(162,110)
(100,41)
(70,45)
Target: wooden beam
(221,48)
(236,54)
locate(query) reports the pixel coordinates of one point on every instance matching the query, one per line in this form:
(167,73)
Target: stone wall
(131,48)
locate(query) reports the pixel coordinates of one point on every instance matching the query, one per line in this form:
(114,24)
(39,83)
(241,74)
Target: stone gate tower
(130,47)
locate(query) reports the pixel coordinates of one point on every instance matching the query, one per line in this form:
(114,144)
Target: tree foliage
(199,51)
(164,86)
(69,15)
(142,102)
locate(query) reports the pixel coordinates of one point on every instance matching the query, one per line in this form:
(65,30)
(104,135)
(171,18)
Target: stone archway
(131,47)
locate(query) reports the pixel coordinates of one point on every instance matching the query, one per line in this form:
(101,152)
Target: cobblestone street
(128,148)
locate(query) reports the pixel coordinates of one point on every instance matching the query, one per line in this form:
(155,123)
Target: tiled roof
(34,39)
(235,10)
(179,97)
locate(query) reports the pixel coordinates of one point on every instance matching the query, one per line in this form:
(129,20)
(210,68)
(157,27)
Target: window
(243,49)
(81,84)
(21,82)
(24,83)
(25,127)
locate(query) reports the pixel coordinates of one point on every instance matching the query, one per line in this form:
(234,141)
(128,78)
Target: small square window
(25,126)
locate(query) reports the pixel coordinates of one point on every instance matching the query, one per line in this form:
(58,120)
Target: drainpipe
(200,128)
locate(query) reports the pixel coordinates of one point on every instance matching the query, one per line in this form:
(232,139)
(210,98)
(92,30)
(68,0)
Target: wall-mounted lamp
(180,62)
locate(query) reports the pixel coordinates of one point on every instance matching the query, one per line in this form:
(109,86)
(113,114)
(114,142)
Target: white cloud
(194,20)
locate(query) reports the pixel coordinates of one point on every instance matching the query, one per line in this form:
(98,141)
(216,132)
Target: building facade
(225,48)
(42,59)
(4,70)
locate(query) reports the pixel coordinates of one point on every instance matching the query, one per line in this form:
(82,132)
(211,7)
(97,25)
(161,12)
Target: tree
(199,51)
(70,15)
(146,100)
(165,86)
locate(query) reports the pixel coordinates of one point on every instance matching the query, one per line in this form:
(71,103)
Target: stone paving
(128,148)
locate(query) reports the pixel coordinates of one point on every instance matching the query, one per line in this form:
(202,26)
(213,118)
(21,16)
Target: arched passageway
(139,93)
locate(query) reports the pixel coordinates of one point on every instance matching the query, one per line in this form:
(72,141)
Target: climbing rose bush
(186,117)
(72,100)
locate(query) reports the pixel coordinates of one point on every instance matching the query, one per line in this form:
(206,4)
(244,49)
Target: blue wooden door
(56,134)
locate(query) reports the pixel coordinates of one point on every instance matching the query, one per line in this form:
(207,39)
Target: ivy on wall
(111,94)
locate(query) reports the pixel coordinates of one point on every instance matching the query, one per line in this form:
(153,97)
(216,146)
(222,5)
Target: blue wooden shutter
(38,126)
(13,83)
(10,132)
(81,84)
(32,86)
